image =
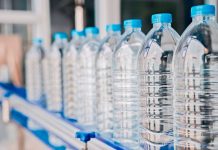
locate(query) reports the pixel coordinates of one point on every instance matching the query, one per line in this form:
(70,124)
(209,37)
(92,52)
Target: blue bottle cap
(161,18)
(37,40)
(60,35)
(113,27)
(135,23)
(202,10)
(81,33)
(91,30)
(77,33)
(73,32)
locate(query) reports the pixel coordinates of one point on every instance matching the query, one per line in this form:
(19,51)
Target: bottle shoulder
(162,35)
(72,47)
(204,33)
(130,41)
(76,42)
(108,44)
(34,52)
(198,47)
(71,51)
(159,41)
(91,42)
(90,45)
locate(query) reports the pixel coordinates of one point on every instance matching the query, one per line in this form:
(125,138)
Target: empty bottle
(87,78)
(155,84)
(195,67)
(125,85)
(104,80)
(70,74)
(34,72)
(55,63)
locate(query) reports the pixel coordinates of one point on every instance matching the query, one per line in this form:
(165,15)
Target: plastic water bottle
(70,74)
(34,72)
(155,84)
(55,63)
(195,67)
(54,102)
(104,80)
(87,78)
(125,85)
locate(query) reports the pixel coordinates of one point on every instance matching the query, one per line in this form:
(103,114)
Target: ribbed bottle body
(87,83)
(33,64)
(125,89)
(156,88)
(196,86)
(104,84)
(55,85)
(70,69)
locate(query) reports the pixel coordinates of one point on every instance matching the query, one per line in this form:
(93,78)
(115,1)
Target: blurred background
(28,18)
(21,20)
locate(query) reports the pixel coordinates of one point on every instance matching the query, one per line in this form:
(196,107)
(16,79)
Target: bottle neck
(113,32)
(203,18)
(158,25)
(75,37)
(131,29)
(37,44)
(91,36)
(60,42)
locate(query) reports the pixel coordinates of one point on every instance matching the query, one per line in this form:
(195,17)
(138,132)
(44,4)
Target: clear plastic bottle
(125,85)
(87,78)
(55,63)
(104,80)
(70,74)
(33,64)
(195,67)
(54,101)
(155,84)
(34,73)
